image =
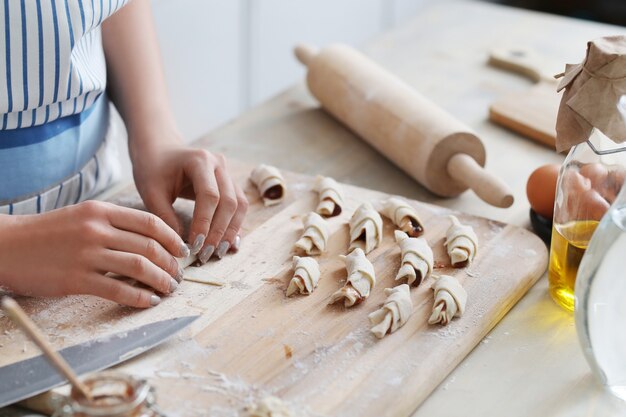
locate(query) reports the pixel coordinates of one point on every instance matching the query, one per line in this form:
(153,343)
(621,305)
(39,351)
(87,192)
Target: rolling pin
(427,143)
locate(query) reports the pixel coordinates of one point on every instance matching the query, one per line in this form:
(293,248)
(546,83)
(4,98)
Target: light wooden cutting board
(252,341)
(531,113)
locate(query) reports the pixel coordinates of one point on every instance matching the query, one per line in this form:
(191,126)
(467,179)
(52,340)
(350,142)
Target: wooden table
(531,363)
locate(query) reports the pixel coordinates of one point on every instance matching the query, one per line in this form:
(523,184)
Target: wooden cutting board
(531,113)
(251,341)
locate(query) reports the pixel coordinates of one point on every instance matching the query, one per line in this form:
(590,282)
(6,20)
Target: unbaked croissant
(331,196)
(361,279)
(450,299)
(306,275)
(270,183)
(315,235)
(366,228)
(461,243)
(396,310)
(417,258)
(403,216)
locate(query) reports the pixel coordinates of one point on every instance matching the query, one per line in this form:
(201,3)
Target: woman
(57,129)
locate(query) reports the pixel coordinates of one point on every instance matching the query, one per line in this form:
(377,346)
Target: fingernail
(184,250)
(197,244)
(235,246)
(155,300)
(222,248)
(179,275)
(173,285)
(206,254)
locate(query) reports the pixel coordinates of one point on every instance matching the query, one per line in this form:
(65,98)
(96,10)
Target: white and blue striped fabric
(52,77)
(53,62)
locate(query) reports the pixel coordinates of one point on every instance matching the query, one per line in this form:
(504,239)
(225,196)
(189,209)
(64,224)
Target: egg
(541,188)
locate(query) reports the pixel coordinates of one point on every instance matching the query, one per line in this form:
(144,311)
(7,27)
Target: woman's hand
(71,250)
(165,169)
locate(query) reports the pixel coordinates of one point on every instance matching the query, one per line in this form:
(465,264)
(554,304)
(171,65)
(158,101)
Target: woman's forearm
(136,81)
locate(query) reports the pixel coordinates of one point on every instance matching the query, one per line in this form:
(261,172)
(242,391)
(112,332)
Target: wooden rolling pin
(431,146)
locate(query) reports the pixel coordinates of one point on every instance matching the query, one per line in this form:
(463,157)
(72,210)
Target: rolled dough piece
(361,279)
(461,243)
(331,196)
(202,276)
(396,310)
(417,258)
(270,407)
(270,183)
(186,261)
(450,299)
(366,228)
(403,216)
(306,275)
(315,236)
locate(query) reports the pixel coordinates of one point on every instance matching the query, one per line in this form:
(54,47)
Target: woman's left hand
(164,169)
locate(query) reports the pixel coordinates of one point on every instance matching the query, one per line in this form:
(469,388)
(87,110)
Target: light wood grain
(246,326)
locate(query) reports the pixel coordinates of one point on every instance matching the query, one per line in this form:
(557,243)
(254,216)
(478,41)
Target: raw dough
(361,279)
(403,216)
(461,243)
(306,275)
(270,407)
(366,228)
(450,299)
(202,276)
(315,236)
(331,196)
(394,312)
(417,258)
(270,183)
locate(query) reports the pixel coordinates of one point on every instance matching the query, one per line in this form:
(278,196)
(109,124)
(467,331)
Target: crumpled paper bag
(593,90)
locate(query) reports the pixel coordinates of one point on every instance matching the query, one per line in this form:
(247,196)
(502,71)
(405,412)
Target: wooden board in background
(252,341)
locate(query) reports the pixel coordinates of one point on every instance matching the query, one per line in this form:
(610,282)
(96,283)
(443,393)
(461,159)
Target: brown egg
(541,188)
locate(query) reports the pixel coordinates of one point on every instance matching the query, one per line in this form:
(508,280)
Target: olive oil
(569,242)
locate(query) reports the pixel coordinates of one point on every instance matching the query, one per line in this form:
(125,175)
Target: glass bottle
(114,395)
(600,291)
(588,183)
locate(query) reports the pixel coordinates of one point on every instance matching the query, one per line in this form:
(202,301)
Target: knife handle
(521,61)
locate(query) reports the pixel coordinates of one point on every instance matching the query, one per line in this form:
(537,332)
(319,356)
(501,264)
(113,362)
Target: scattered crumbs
(253,316)
(295,216)
(439,265)
(273,280)
(450,382)
(288,351)
(507,333)
(471,274)
(239,285)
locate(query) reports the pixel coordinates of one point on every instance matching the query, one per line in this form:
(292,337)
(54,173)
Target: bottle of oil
(589,182)
(590,124)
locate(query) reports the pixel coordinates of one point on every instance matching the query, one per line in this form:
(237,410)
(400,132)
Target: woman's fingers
(201,172)
(160,204)
(225,211)
(149,225)
(232,232)
(118,291)
(148,248)
(138,268)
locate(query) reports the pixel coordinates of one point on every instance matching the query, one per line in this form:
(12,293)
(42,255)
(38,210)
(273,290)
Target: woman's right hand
(74,250)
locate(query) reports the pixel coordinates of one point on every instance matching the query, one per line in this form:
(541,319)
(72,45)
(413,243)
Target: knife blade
(33,376)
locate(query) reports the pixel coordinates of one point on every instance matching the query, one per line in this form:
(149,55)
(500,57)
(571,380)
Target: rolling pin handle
(464,169)
(305,53)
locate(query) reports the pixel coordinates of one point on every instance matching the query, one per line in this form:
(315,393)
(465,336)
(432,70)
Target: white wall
(223,56)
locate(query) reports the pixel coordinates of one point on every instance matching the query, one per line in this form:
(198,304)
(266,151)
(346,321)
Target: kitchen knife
(33,376)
